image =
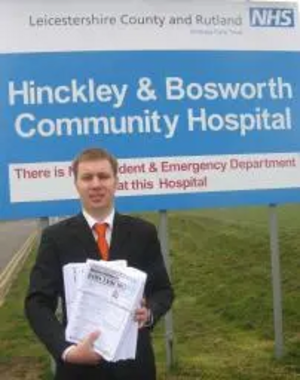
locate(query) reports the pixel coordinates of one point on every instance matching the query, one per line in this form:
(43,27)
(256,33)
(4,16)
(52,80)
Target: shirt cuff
(149,321)
(66,351)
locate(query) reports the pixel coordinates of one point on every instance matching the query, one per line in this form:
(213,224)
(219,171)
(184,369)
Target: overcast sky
(285,1)
(277,1)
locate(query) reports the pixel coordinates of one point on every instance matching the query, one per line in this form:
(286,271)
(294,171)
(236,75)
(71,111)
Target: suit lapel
(83,234)
(121,232)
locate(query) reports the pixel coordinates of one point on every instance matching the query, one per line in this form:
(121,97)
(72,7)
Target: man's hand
(83,352)
(142,315)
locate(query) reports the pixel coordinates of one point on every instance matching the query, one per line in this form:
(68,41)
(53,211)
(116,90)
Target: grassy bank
(223,318)
(21,355)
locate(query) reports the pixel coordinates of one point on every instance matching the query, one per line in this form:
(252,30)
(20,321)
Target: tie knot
(100,228)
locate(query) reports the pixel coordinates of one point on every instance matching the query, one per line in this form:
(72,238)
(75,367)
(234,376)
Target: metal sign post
(43,223)
(164,241)
(276,281)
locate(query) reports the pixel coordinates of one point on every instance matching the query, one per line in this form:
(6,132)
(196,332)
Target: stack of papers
(103,296)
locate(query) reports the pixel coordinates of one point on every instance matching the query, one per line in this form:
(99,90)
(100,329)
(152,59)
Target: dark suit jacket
(72,241)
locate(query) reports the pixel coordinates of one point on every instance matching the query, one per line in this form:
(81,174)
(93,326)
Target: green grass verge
(21,355)
(223,319)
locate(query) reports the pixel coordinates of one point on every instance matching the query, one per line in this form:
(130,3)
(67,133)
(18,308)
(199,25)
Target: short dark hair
(94,154)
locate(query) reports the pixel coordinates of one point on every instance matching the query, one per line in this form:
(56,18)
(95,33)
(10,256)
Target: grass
(21,355)
(223,321)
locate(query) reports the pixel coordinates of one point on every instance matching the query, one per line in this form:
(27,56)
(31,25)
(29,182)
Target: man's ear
(117,182)
(75,184)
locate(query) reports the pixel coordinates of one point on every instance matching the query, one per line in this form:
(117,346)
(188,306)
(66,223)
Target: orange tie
(100,228)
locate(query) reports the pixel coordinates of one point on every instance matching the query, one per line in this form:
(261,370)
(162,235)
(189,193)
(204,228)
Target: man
(75,240)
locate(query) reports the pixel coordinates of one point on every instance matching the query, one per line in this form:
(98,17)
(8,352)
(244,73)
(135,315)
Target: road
(13,235)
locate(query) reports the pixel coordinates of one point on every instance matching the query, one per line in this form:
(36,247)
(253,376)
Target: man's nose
(96,181)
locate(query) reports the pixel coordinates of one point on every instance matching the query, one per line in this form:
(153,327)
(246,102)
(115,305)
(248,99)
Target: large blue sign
(200,104)
(211,106)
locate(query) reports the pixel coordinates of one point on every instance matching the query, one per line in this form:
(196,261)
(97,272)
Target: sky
(283,1)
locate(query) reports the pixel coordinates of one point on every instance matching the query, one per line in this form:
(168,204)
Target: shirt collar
(92,221)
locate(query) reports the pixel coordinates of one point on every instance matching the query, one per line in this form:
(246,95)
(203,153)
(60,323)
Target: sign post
(276,281)
(169,333)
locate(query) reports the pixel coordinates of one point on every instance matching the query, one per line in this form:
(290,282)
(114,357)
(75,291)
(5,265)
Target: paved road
(12,236)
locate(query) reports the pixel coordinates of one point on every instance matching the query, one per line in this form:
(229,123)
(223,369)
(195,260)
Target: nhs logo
(272,17)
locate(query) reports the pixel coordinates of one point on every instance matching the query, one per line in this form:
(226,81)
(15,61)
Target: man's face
(96,185)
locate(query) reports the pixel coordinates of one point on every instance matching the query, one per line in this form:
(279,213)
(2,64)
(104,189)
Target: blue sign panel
(191,128)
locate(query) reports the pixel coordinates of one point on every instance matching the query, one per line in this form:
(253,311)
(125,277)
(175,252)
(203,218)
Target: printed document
(105,299)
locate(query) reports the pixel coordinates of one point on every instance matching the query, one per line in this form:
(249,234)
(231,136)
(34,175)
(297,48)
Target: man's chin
(96,201)
(98,205)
